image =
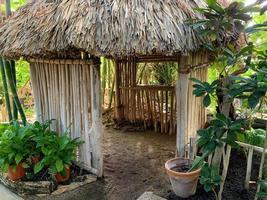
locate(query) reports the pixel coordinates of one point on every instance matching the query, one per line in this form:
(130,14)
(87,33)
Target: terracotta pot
(61,178)
(184,184)
(17,173)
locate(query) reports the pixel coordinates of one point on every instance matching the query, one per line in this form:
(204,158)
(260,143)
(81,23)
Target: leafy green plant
(16,145)
(210,178)
(222,27)
(222,130)
(254,137)
(58,151)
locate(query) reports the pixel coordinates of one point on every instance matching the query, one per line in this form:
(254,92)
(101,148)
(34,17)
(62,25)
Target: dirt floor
(134,163)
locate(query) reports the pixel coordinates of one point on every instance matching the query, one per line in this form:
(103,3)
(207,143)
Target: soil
(180,168)
(134,163)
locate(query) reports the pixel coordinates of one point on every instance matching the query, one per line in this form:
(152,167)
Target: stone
(150,196)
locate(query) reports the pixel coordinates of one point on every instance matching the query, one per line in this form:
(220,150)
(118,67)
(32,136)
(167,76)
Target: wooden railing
(153,105)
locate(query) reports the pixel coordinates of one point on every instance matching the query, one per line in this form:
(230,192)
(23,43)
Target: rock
(43,188)
(28,187)
(150,196)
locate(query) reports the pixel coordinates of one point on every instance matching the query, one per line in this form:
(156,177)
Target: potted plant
(184,183)
(16,146)
(59,152)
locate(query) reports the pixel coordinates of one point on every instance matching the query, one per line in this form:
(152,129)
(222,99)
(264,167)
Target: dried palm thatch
(45,28)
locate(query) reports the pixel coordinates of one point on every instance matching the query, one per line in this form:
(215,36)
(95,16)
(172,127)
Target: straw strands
(101,27)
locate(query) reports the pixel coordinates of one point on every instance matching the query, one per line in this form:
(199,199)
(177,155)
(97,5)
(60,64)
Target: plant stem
(5,90)
(14,91)
(225,169)
(216,197)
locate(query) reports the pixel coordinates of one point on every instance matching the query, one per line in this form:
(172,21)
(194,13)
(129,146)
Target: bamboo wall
(62,91)
(151,105)
(196,112)
(155,106)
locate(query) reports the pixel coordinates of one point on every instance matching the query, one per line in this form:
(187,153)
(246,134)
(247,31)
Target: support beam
(181,99)
(118,115)
(96,131)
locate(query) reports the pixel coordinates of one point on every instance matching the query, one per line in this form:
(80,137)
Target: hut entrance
(147,93)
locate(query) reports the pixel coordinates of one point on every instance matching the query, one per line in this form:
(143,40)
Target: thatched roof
(101,27)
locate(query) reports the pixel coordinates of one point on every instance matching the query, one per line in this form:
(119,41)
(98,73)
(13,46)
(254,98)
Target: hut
(63,41)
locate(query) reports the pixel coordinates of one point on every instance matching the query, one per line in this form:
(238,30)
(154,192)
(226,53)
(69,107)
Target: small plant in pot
(59,152)
(16,146)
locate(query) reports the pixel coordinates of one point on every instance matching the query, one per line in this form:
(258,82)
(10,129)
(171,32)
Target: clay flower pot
(16,173)
(61,178)
(184,183)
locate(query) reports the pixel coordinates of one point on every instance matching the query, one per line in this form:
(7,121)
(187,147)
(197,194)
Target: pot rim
(175,173)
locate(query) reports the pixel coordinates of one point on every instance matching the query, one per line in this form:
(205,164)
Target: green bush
(19,144)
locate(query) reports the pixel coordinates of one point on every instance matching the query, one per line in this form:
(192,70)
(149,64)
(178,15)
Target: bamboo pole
(5,88)
(8,71)
(181,98)
(14,107)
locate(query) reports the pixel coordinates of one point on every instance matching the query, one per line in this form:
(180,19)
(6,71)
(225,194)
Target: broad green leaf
(18,158)
(59,165)
(38,167)
(207,100)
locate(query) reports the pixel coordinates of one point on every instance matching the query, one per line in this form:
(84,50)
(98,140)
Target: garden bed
(41,184)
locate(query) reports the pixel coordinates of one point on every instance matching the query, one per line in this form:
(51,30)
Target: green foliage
(253,87)
(254,137)
(58,152)
(205,89)
(22,73)
(209,177)
(165,74)
(263,191)
(222,129)
(223,24)
(19,144)
(16,145)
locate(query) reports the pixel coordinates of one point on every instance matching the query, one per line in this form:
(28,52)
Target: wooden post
(181,99)
(249,165)
(96,131)
(117,92)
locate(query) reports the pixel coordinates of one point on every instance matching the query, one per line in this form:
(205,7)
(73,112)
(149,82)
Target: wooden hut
(63,41)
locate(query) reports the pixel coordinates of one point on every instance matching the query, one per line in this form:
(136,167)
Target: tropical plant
(223,27)
(58,152)
(210,178)
(16,145)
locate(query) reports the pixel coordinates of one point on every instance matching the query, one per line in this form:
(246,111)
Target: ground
(133,163)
